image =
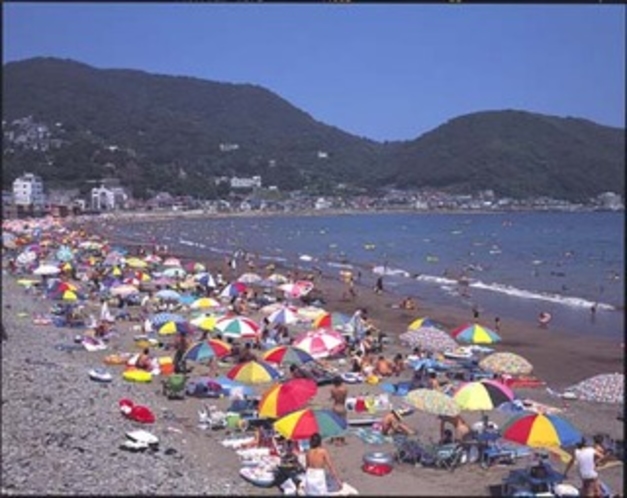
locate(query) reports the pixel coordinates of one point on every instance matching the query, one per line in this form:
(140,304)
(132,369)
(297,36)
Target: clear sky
(385,72)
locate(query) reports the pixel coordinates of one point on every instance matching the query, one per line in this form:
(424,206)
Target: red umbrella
(287,397)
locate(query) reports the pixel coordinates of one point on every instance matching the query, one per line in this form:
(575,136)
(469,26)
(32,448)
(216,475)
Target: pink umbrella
(297,289)
(320,343)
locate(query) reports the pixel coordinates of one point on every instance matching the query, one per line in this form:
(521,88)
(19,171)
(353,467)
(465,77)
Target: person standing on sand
(339,393)
(584,458)
(378,286)
(321,478)
(497,324)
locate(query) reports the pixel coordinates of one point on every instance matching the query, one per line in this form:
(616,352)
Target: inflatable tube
(376,469)
(352,377)
(100,375)
(378,458)
(257,476)
(136,375)
(142,414)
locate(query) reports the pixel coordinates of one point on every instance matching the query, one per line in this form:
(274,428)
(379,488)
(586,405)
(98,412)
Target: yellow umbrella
(205,322)
(205,302)
(69,295)
(136,263)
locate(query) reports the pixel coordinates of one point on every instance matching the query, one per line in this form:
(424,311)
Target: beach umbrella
(170,328)
(304,423)
(482,395)
(332,320)
(205,279)
(474,333)
(506,363)
(26,257)
(163,317)
(284,314)
(136,263)
(194,267)
(206,350)
(433,402)
(602,388)
(233,289)
(59,286)
(123,290)
(249,278)
(281,399)
(320,343)
(46,269)
(425,322)
(174,262)
(205,302)
(309,313)
(64,253)
(287,355)
(204,322)
(168,295)
(277,278)
(428,338)
(174,272)
(237,327)
(152,259)
(253,372)
(296,289)
(540,431)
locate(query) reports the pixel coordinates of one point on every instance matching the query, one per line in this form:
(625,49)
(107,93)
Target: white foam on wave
(392,272)
(437,280)
(191,243)
(339,265)
(509,290)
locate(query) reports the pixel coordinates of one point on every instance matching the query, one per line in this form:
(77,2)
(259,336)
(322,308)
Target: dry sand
(559,359)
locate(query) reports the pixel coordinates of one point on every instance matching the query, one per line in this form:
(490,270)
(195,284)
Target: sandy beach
(61,431)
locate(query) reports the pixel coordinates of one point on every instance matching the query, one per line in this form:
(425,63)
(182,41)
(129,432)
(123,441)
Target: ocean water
(515,264)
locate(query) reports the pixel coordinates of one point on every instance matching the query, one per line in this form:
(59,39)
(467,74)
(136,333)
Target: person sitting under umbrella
(460,426)
(392,424)
(144,361)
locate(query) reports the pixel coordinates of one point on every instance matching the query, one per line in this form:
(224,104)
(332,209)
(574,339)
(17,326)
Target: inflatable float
(116,359)
(137,413)
(352,377)
(136,375)
(378,458)
(258,476)
(100,375)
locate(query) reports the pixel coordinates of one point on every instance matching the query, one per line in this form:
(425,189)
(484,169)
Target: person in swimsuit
(321,476)
(339,393)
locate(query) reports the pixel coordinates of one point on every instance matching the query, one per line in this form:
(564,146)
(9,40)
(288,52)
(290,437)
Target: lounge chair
(174,386)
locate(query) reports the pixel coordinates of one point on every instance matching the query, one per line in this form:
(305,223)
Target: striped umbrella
(333,320)
(287,397)
(170,328)
(233,289)
(204,322)
(541,431)
(206,350)
(287,355)
(303,424)
(482,395)
(237,327)
(250,278)
(475,334)
(320,343)
(253,372)
(425,322)
(284,314)
(506,363)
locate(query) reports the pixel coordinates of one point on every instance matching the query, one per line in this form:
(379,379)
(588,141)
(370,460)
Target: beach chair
(408,450)
(445,456)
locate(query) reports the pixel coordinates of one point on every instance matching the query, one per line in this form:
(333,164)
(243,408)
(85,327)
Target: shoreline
(87,412)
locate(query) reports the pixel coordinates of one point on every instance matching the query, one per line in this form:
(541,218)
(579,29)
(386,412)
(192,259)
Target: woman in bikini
(339,393)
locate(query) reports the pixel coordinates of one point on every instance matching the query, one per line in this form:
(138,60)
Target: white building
(254,182)
(28,190)
(322,203)
(106,199)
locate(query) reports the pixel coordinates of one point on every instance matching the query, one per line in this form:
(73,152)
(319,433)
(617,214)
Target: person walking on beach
(321,478)
(584,458)
(339,393)
(378,286)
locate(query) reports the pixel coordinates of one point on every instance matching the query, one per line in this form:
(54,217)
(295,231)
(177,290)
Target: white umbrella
(46,270)
(320,343)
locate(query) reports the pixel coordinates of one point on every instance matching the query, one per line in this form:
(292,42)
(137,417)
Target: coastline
(206,468)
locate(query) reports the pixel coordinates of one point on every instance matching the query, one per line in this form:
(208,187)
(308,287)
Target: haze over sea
(518,264)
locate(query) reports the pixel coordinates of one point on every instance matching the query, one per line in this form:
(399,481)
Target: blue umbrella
(64,253)
(163,317)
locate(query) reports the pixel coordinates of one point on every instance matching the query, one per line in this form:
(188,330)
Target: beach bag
(315,482)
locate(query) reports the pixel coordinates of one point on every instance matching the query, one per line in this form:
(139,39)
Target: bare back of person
(317,458)
(339,395)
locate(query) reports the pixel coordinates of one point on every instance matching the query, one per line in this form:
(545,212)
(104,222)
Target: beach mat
(370,436)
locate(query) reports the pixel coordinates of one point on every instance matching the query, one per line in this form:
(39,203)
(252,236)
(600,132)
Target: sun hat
(398,414)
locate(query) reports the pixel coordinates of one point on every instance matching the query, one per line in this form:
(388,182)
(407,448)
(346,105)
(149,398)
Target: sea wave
(577,302)
(386,270)
(339,265)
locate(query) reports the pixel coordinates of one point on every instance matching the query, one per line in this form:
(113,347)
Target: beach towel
(370,436)
(315,482)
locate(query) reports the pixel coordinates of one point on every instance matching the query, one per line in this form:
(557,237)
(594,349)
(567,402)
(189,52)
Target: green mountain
(158,132)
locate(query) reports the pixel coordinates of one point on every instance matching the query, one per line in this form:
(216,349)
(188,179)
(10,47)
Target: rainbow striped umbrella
(206,350)
(475,334)
(424,322)
(169,328)
(482,395)
(541,431)
(287,355)
(303,424)
(332,320)
(287,397)
(253,372)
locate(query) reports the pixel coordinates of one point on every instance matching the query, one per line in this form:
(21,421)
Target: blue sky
(385,72)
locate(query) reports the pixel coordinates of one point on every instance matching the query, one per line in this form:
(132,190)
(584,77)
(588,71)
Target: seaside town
(29,197)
